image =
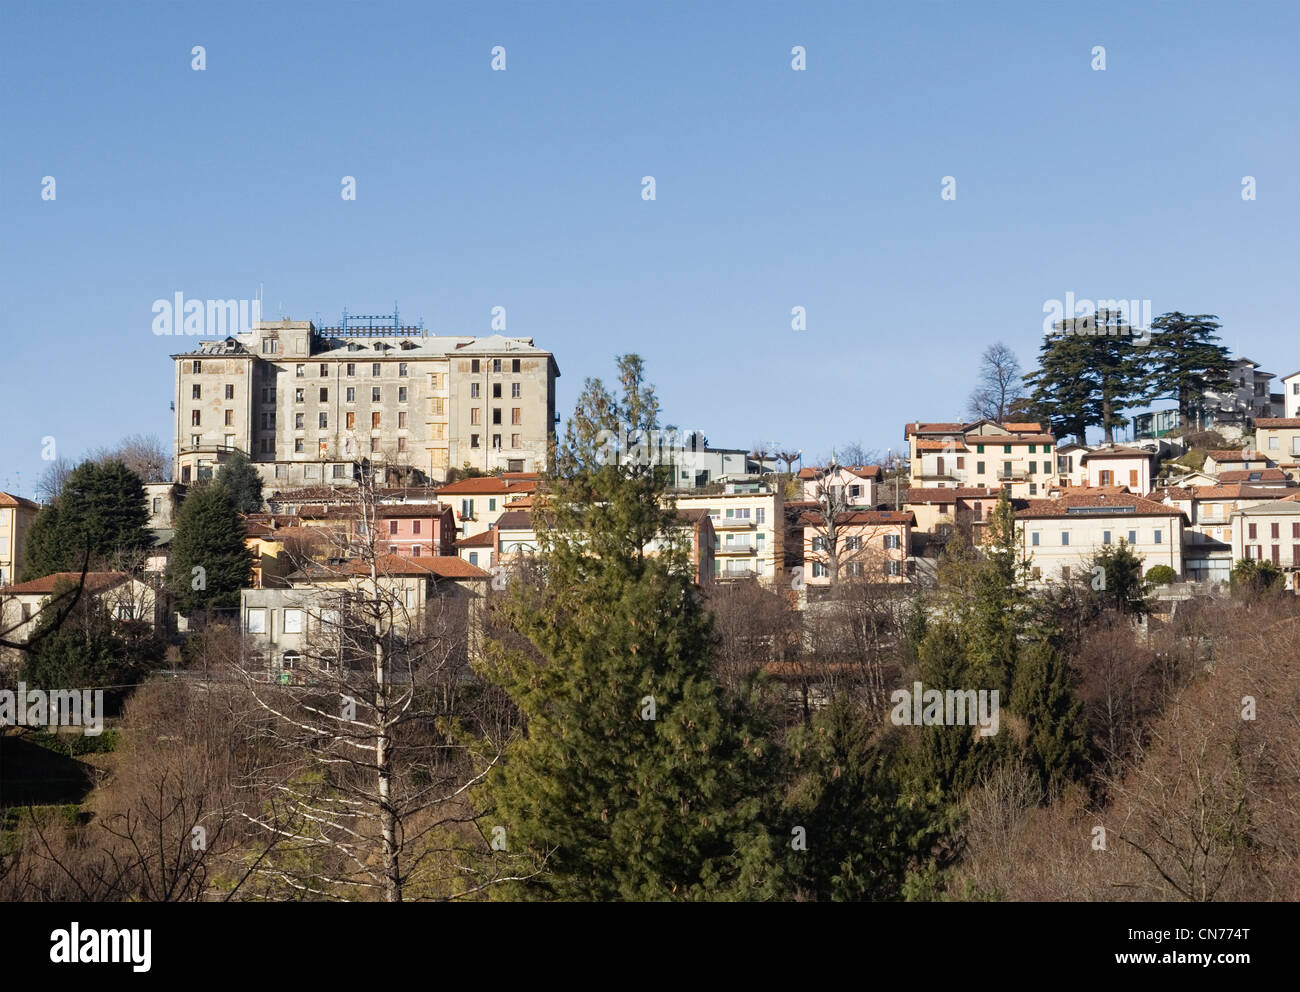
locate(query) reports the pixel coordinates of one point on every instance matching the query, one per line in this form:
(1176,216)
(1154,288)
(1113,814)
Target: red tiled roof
(443,566)
(861,471)
(487,485)
(1236,454)
(863,517)
(928,444)
(7,499)
(484,539)
(1104,503)
(1116,452)
(937,495)
(95,582)
(1261,475)
(1274,423)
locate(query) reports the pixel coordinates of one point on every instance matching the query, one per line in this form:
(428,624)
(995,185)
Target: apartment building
(16,515)
(1219,460)
(1270,531)
(938,510)
(1019,457)
(479,502)
(874,545)
(748,519)
(310,405)
(1233,409)
(1059,536)
(1278,440)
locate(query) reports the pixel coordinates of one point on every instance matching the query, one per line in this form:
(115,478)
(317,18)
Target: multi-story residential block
(479,502)
(1260,478)
(854,485)
(748,519)
(1291,396)
(873,545)
(1234,409)
(940,511)
(1207,537)
(1019,457)
(1270,531)
(1060,535)
(284,626)
(16,515)
(1278,440)
(312,406)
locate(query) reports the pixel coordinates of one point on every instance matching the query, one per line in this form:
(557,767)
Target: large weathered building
(311,406)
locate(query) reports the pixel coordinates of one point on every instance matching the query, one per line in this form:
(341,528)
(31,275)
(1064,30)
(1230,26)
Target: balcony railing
(731,523)
(736,548)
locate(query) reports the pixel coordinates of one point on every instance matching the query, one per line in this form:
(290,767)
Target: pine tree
(997,602)
(1183,360)
(243,481)
(949,758)
(638,778)
(1115,578)
(863,832)
(1056,745)
(1089,375)
(210,561)
(100,512)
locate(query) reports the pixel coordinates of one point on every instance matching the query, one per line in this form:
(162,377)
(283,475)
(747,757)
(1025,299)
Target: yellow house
(16,515)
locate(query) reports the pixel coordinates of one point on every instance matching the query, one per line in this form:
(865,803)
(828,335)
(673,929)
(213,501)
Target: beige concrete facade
(16,515)
(308,405)
(748,521)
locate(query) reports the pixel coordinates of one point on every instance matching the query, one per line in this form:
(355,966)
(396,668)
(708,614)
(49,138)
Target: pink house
(416,530)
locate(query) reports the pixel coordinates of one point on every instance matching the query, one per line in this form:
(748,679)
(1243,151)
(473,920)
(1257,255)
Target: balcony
(732,523)
(1015,475)
(736,548)
(934,475)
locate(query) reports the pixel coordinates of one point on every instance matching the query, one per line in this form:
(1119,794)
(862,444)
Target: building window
(196,418)
(323,421)
(196,392)
(1251,531)
(340,471)
(374,420)
(517,416)
(392,527)
(496,390)
(401,419)
(514,443)
(374,369)
(474,366)
(299,395)
(1159,536)
(298,421)
(351,420)
(466,508)
(496,440)
(1033,538)
(415,526)
(514,367)
(299,371)
(1132,537)
(196,440)
(293,621)
(979,449)
(820,571)
(324,370)
(473,440)
(473,390)
(401,369)
(374,394)
(496,365)
(196,368)
(230,418)
(979,466)
(496,415)
(475,415)
(256,622)
(1274,531)
(514,390)
(230,392)
(351,394)
(1065,538)
(415,551)
(893,542)
(352,368)
(374,445)
(401,444)
(1033,448)
(1105,537)
(298,447)
(324,395)
(401,394)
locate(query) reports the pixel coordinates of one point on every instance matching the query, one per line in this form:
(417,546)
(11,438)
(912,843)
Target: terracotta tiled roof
(1116,452)
(861,471)
(937,495)
(927,444)
(1274,423)
(1259,475)
(1234,491)
(6,499)
(95,582)
(863,518)
(1074,505)
(1029,427)
(1235,454)
(515,520)
(933,428)
(443,566)
(485,539)
(488,485)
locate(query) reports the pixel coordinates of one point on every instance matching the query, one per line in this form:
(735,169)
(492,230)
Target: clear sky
(775,188)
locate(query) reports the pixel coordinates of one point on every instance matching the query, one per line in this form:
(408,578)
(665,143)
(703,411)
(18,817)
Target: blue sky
(522,189)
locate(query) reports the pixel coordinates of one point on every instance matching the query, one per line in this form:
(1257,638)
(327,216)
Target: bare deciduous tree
(995,390)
